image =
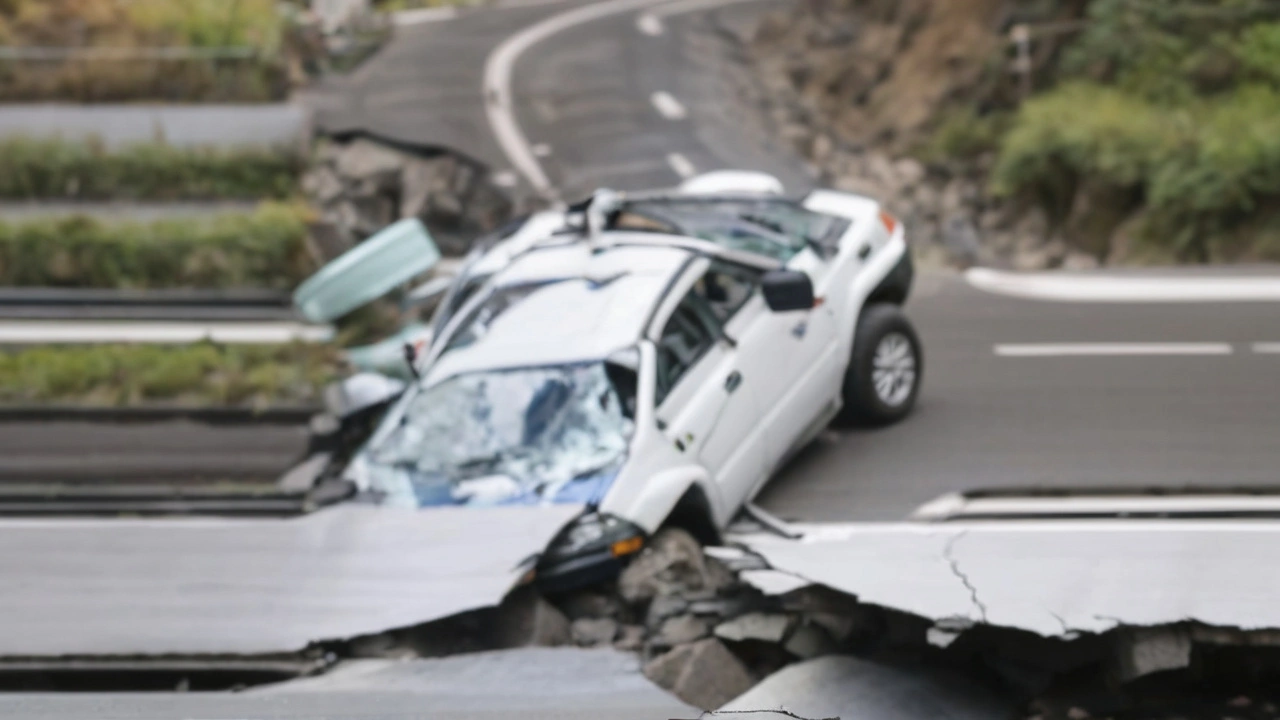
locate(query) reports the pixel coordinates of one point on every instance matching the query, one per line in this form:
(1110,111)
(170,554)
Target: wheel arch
(693,514)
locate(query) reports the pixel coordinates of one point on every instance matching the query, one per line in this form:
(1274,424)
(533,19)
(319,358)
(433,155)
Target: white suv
(652,357)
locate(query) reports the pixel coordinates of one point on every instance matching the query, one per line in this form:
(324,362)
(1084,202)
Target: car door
(705,407)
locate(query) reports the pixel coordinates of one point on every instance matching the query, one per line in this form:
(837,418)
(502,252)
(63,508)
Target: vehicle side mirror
(787,290)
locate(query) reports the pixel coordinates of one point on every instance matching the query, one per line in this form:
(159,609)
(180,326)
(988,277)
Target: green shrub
(963,134)
(1203,167)
(266,249)
(200,374)
(85,170)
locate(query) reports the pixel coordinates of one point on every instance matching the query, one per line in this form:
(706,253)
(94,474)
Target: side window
(726,288)
(685,339)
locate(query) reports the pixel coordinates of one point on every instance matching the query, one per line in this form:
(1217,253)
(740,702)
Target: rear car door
(704,406)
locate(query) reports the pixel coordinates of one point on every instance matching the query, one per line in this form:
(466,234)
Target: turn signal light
(890,222)
(626,547)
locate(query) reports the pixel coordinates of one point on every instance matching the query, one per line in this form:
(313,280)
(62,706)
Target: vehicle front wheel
(884,374)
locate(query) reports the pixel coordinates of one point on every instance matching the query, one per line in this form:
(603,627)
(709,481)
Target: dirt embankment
(1096,138)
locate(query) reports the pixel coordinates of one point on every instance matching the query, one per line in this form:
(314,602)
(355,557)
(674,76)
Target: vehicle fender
(651,507)
(877,268)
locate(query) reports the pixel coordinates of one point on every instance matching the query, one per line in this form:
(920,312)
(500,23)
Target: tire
(884,336)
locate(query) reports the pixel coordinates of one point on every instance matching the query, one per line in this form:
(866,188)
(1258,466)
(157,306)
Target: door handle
(863,252)
(732,382)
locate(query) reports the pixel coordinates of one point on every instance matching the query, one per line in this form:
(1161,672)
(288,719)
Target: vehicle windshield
(775,228)
(527,436)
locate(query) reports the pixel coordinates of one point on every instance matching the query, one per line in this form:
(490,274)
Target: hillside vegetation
(1152,128)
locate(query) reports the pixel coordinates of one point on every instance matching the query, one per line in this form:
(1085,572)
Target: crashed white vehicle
(653,357)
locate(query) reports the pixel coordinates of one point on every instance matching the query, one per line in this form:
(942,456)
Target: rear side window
(687,336)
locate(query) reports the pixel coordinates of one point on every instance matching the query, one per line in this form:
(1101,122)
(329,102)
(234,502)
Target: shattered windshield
(774,228)
(527,436)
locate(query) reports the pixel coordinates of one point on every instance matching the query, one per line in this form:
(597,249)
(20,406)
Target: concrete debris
(808,641)
(526,619)
(704,674)
(589,632)
(680,630)
(773,582)
(839,686)
(591,604)
(630,638)
(1142,651)
(673,561)
(363,185)
(755,626)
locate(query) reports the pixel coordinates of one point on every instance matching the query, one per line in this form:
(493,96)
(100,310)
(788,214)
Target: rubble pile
(701,632)
(708,626)
(362,185)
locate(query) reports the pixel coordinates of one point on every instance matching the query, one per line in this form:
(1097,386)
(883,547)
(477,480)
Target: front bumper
(578,572)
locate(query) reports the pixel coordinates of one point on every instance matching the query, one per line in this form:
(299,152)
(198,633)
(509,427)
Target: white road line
(105,331)
(688,6)
(1077,288)
(497,83)
(669,107)
(1267,348)
(405,18)
(1111,349)
(503,4)
(681,165)
(649,24)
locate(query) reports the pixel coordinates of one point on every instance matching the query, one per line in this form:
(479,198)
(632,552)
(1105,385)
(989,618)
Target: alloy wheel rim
(893,369)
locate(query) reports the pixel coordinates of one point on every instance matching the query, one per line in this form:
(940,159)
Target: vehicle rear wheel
(884,374)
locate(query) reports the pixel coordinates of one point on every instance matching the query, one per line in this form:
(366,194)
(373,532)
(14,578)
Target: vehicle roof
(585,303)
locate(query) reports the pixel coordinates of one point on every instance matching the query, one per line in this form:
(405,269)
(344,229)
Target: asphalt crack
(955,569)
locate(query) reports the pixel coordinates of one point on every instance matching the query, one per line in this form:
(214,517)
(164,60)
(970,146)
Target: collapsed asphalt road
(1004,404)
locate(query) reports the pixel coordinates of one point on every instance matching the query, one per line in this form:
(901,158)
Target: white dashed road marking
(1267,348)
(681,165)
(649,24)
(669,107)
(688,6)
(497,83)
(1111,349)
(406,18)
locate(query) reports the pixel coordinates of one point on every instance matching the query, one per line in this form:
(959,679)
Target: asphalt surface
(986,421)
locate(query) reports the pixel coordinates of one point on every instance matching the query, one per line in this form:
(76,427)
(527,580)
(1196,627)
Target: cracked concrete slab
(254,586)
(837,686)
(1053,578)
(527,683)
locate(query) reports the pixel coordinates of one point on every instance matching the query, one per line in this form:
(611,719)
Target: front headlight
(596,532)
